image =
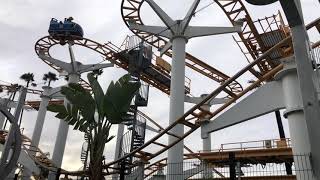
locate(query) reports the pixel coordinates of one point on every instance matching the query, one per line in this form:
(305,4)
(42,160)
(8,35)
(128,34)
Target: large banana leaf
(70,115)
(118,98)
(111,106)
(97,92)
(82,99)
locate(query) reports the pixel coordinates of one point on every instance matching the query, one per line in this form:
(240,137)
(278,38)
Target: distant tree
(94,113)
(49,77)
(13,88)
(28,77)
(97,73)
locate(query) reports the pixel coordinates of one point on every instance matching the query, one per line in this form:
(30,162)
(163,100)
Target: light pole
(179,32)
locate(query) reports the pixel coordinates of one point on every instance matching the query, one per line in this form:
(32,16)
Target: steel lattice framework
(234,10)
(130,10)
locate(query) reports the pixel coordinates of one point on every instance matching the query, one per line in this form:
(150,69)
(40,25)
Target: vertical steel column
(61,139)
(63,129)
(7,165)
(295,115)
(206,144)
(2,117)
(118,146)
(280,125)
(232,166)
(40,118)
(282,137)
(310,100)
(175,154)
(178,32)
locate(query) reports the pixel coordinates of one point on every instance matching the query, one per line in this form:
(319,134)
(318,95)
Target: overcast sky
(23,22)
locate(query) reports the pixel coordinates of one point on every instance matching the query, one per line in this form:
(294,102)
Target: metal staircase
(134,138)
(85,151)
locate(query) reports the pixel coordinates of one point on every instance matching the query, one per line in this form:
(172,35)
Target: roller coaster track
(13,87)
(190,120)
(39,157)
(154,77)
(235,10)
(130,10)
(194,112)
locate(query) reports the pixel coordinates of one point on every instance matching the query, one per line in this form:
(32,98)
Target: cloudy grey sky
(23,22)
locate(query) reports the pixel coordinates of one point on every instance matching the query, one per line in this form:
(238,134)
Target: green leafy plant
(95,113)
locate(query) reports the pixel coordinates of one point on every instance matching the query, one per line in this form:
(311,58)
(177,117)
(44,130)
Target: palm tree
(49,77)
(95,113)
(28,77)
(97,73)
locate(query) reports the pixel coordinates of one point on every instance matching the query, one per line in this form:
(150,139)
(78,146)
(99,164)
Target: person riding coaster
(65,31)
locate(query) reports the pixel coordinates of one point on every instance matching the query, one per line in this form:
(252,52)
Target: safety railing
(198,170)
(261,144)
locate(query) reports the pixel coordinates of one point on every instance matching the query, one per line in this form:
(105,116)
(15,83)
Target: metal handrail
(242,145)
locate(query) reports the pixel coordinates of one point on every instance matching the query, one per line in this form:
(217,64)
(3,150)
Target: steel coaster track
(44,44)
(196,110)
(235,10)
(13,88)
(109,51)
(39,157)
(130,10)
(193,114)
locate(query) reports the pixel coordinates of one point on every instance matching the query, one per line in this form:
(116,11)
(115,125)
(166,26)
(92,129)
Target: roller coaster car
(65,31)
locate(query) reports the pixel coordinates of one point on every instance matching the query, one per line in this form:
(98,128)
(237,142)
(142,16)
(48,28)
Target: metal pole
(239,170)
(2,119)
(175,154)
(62,134)
(283,137)
(232,166)
(310,101)
(12,96)
(40,118)
(122,170)
(13,137)
(206,144)
(294,114)
(2,116)
(118,146)
(280,125)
